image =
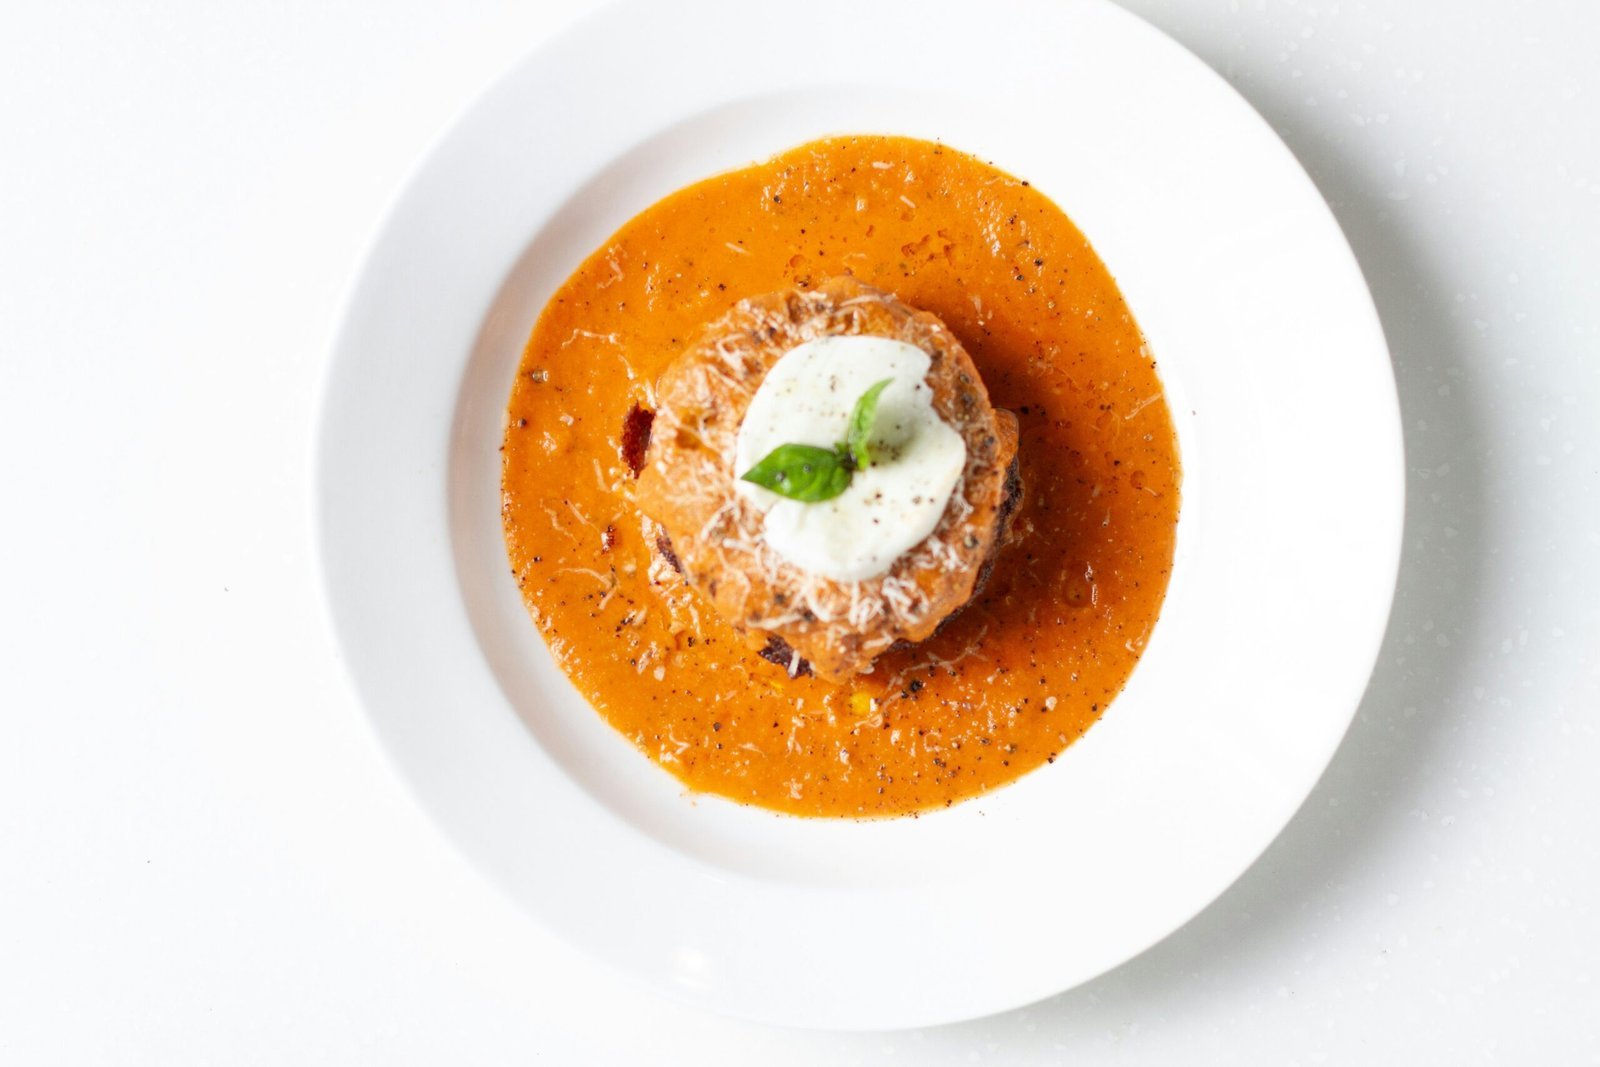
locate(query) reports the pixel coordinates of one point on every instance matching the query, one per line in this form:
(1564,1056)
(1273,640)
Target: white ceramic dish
(1288,544)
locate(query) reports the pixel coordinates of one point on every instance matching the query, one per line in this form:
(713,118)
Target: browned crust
(687,483)
(635,437)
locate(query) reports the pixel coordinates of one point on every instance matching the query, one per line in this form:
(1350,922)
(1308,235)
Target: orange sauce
(1005,685)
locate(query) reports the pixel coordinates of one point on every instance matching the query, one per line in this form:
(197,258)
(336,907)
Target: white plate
(1287,551)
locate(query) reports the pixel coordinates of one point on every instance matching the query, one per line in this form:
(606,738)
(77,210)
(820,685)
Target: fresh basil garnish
(858,441)
(811,474)
(801,472)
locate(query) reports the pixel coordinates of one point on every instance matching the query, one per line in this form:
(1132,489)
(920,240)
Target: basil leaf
(801,472)
(857,442)
(811,474)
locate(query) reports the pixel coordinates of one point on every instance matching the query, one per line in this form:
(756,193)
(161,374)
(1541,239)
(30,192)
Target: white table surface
(204,857)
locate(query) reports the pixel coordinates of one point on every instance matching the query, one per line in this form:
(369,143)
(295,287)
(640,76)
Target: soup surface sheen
(1009,682)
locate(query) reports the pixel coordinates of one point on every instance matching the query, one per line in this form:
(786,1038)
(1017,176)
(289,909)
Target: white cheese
(806,398)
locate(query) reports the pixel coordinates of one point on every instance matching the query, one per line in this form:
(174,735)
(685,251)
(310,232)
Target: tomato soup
(1004,686)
